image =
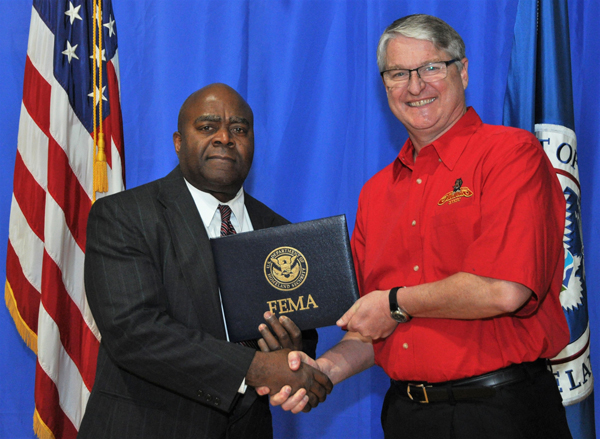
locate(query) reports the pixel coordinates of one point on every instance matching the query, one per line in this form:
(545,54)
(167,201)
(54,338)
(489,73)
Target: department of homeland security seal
(286,268)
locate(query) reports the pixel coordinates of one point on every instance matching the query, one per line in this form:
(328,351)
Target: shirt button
(419,181)
(405,345)
(200,393)
(414,223)
(416,268)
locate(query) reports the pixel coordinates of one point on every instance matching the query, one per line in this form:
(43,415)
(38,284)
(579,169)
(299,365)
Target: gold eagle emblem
(286,268)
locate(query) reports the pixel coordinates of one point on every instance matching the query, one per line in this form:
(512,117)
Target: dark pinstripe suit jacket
(164,367)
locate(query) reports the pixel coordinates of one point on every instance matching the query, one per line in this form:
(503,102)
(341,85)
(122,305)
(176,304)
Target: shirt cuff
(243,387)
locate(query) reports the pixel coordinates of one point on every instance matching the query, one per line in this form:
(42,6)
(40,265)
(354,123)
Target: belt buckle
(422,386)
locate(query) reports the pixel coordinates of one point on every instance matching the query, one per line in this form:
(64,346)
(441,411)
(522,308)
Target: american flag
(66,90)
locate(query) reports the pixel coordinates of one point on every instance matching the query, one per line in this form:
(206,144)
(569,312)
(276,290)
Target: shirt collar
(450,145)
(207,204)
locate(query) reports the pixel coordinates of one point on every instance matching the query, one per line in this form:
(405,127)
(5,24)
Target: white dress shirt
(208,207)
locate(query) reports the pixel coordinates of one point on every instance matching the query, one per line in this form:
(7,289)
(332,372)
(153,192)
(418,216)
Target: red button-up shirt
(481,199)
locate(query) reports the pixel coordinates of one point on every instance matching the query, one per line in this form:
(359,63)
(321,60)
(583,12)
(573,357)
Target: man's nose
(223,136)
(415,83)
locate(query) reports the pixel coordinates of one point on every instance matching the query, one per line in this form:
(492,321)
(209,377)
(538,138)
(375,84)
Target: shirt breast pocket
(455,214)
(452,230)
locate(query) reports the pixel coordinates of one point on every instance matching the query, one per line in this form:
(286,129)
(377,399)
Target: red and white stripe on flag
(52,195)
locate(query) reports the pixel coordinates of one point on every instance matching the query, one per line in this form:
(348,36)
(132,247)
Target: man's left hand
(285,334)
(370,316)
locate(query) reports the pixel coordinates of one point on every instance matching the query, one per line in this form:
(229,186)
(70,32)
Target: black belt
(480,386)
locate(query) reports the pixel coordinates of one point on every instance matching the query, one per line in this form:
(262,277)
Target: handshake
(279,369)
(295,381)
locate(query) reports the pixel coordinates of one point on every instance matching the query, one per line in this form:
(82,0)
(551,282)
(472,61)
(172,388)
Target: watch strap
(394,299)
(397,313)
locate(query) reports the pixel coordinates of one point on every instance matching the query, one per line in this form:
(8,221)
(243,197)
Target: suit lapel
(260,217)
(193,250)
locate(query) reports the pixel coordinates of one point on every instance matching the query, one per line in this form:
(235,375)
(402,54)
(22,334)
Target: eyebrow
(215,118)
(208,118)
(239,119)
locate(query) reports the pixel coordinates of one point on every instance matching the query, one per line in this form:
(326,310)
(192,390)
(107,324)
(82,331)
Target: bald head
(216,91)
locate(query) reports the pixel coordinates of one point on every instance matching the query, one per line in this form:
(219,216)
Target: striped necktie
(226,226)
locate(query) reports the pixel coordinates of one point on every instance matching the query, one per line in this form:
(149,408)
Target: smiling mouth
(421,102)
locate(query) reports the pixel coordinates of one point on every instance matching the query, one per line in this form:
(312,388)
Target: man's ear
(177,141)
(464,73)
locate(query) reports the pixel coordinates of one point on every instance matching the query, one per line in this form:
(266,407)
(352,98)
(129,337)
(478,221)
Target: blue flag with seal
(539,98)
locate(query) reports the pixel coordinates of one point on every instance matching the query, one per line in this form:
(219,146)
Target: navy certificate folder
(303,271)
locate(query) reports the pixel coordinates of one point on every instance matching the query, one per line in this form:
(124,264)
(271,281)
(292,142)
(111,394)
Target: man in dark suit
(165,368)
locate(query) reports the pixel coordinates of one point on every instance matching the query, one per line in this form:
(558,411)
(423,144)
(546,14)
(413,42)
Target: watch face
(399,316)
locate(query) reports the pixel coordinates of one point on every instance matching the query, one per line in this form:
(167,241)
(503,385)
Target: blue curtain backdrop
(322,127)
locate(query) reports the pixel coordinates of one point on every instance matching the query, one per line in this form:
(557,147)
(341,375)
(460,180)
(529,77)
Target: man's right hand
(299,401)
(272,370)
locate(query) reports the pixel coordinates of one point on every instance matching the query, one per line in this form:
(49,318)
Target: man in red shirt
(459,258)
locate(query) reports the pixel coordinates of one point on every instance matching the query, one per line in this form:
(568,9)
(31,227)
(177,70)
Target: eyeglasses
(433,71)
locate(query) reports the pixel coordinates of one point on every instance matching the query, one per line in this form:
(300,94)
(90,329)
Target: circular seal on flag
(286,268)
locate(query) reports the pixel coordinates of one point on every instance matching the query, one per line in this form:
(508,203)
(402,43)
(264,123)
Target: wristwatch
(396,311)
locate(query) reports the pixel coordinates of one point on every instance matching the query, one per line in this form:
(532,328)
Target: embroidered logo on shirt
(457,193)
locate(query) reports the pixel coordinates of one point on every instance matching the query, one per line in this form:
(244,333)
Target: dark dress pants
(528,409)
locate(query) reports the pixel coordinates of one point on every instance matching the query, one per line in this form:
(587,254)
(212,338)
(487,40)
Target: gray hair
(422,27)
